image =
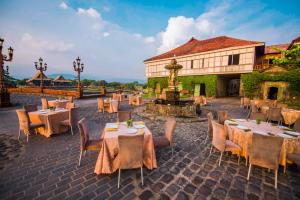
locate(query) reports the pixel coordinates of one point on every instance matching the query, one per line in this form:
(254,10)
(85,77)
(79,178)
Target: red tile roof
(197,46)
(273,48)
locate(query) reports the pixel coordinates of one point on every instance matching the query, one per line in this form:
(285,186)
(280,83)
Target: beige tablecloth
(58,103)
(243,138)
(51,119)
(290,116)
(106,160)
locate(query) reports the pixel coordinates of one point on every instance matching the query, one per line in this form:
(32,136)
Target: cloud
(51,46)
(63,6)
(149,39)
(106,34)
(91,12)
(232,18)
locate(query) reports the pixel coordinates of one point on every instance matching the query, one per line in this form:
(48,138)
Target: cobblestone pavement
(46,168)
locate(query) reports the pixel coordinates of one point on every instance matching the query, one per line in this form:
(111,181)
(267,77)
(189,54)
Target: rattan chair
(274,114)
(265,152)
(167,139)
(102,107)
(70,105)
(219,141)
(130,154)
(253,109)
(31,107)
(73,119)
(222,116)
(297,125)
(24,123)
(71,99)
(44,103)
(210,118)
(124,116)
(85,143)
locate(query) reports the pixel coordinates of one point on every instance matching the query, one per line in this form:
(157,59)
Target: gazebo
(36,80)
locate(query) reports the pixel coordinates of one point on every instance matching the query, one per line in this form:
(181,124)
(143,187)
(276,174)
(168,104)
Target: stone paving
(46,168)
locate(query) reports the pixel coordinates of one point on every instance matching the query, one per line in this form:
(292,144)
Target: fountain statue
(172,94)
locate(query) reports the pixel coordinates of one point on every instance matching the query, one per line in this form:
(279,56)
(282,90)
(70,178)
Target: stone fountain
(172,105)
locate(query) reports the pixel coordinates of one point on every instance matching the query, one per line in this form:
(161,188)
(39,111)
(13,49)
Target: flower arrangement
(52,108)
(129,123)
(258,120)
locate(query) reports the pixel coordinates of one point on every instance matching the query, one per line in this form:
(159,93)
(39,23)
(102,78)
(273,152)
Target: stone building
(213,67)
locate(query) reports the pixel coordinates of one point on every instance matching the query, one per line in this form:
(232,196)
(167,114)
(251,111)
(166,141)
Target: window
(201,63)
(234,59)
(192,64)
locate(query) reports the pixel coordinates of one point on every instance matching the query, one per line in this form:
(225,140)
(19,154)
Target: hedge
(188,83)
(251,82)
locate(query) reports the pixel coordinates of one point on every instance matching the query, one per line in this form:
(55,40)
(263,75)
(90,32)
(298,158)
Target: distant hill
(121,80)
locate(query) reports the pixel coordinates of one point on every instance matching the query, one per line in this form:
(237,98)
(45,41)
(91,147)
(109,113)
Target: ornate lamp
(4,95)
(78,67)
(39,66)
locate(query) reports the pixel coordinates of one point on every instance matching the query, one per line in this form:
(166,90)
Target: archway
(273,92)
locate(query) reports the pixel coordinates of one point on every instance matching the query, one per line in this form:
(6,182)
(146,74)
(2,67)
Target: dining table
(59,103)
(290,116)
(51,119)
(107,162)
(240,132)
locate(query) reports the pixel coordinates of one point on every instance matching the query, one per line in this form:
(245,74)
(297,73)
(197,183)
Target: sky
(113,37)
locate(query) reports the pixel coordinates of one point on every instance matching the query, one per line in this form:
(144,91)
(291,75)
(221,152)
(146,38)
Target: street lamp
(39,66)
(4,95)
(78,67)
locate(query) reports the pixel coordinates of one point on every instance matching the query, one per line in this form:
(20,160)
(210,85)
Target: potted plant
(52,108)
(258,120)
(129,123)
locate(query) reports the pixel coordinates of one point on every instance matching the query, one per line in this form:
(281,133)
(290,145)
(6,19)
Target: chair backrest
(24,122)
(265,151)
(274,114)
(254,108)
(170,126)
(282,105)
(70,105)
(84,133)
(115,105)
(74,116)
(131,151)
(124,116)
(257,115)
(219,136)
(31,107)
(115,96)
(44,103)
(297,125)
(210,118)
(222,116)
(71,99)
(100,103)
(198,99)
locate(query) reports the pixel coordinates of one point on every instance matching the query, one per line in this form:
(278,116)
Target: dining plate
(284,127)
(242,127)
(292,133)
(139,126)
(131,131)
(241,120)
(261,132)
(285,136)
(112,125)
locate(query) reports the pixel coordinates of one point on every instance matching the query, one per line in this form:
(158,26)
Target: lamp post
(4,94)
(78,67)
(39,66)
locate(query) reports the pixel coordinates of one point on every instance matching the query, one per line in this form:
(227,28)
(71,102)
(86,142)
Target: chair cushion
(36,125)
(93,145)
(65,122)
(295,157)
(231,146)
(161,142)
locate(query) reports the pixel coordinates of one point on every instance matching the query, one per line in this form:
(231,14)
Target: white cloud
(149,39)
(91,12)
(106,34)
(52,46)
(63,6)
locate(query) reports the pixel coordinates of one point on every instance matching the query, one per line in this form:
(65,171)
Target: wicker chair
(297,125)
(44,103)
(124,116)
(274,114)
(245,102)
(265,152)
(31,107)
(222,116)
(73,119)
(130,154)
(70,105)
(210,118)
(219,141)
(24,123)
(85,143)
(102,107)
(167,139)
(253,109)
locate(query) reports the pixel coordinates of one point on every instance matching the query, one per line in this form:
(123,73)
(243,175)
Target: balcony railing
(261,67)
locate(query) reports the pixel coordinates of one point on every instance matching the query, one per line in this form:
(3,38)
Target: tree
(291,58)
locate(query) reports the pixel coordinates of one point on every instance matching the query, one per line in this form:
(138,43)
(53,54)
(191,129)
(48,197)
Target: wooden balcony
(262,67)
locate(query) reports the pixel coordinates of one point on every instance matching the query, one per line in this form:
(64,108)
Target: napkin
(139,123)
(111,129)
